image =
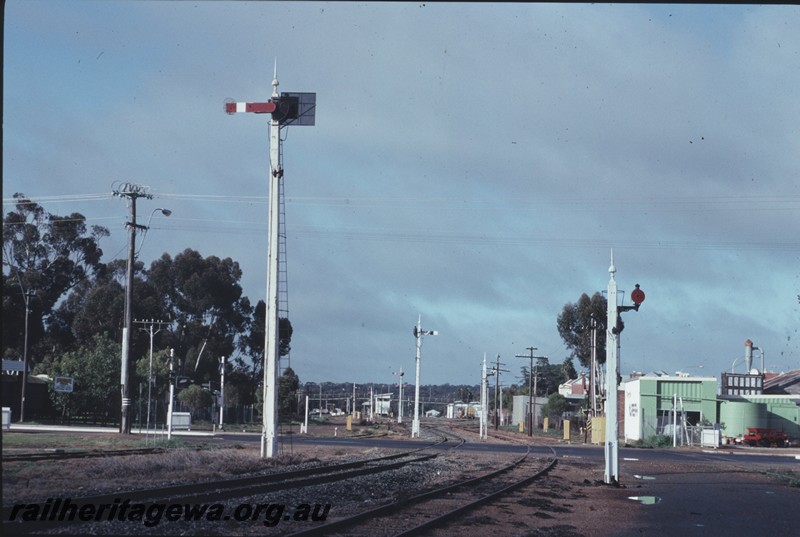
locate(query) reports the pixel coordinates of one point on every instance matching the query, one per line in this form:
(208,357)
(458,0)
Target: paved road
(709,502)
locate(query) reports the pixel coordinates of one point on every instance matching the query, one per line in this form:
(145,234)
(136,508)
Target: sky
(471,164)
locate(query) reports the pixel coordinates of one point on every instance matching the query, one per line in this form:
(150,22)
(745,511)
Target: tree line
(52,266)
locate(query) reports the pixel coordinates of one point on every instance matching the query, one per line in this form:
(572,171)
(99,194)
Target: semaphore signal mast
(285,109)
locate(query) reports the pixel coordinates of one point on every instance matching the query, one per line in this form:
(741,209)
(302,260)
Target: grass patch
(654,441)
(21,442)
(33,441)
(787,477)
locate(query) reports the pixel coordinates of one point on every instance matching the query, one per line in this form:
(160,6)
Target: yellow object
(566,431)
(521,427)
(349,423)
(599,430)
(546,424)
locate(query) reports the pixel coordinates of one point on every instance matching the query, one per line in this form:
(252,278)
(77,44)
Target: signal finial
(275,79)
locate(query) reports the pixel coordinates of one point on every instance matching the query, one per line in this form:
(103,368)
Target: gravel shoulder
(571,501)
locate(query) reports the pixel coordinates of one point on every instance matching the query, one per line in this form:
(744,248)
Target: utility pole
(171,392)
(132,192)
(593,368)
(496,372)
(535,381)
(27,294)
(286,109)
(418,333)
(529,421)
(152,333)
(221,392)
(614,327)
(400,405)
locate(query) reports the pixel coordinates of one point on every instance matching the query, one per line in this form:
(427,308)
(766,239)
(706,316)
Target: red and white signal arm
(63,384)
(637,295)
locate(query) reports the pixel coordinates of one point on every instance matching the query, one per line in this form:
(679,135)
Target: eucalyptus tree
(44,256)
(251,343)
(575,327)
(94,368)
(203,301)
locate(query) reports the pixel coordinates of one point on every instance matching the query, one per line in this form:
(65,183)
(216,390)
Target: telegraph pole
(285,109)
(593,368)
(529,421)
(221,392)
(27,294)
(132,192)
(171,392)
(400,406)
(496,372)
(152,333)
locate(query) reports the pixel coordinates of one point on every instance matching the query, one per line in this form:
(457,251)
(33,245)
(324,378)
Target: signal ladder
(283,280)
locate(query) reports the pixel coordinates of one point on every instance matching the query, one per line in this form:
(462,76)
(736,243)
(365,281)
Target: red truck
(757,436)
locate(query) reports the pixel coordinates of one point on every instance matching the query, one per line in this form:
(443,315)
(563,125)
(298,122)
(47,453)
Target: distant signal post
(285,109)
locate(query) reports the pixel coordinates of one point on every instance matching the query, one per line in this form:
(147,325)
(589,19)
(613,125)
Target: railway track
(420,513)
(56,455)
(250,486)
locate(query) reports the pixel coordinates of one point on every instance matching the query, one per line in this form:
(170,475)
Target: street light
(418,333)
(165,212)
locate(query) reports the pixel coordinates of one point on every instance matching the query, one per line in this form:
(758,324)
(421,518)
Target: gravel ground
(570,501)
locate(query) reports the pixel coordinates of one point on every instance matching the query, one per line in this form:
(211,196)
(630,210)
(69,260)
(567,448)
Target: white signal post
(286,109)
(614,327)
(418,333)
(611,474)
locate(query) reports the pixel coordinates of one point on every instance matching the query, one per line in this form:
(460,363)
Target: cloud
(471,163)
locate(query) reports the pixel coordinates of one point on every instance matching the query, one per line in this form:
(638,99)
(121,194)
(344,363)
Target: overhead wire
(364,233)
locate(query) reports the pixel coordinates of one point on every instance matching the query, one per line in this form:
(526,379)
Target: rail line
(437,507)
(60,455)
(215,491)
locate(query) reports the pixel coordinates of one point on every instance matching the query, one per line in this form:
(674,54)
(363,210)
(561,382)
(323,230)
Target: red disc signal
(637,295)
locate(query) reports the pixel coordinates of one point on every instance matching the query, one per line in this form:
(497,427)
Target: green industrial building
(657,404)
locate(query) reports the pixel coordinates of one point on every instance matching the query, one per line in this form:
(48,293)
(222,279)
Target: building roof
(783,384)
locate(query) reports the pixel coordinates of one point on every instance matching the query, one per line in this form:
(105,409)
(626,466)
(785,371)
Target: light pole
(145,229)
(418,333)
